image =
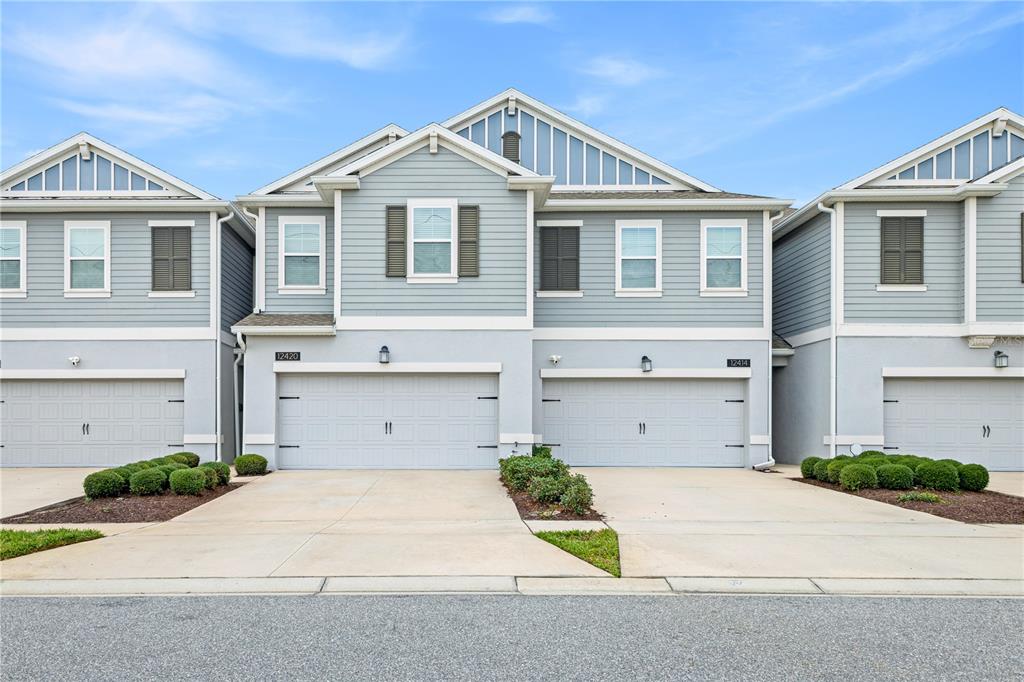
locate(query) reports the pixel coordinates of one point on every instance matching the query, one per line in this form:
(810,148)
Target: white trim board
(809,337)
(937,330)
(204,438)
(429,322)
(258,438)
(850,440)
(666,373)
(651,334)
(107,334)
(390,368)
(521,438)
(308,330)
(953,372)
(760,440)
(92,374)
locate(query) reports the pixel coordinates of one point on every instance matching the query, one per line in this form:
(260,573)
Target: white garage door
(402,421)
(971,420)
(89,423)
(650,422)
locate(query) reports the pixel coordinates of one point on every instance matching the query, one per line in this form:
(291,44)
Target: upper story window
(171,258)
(902,250)
(559,256)
(301,256)
(12,258)
(433,252)
(723,257)
(86,258)
(638,258)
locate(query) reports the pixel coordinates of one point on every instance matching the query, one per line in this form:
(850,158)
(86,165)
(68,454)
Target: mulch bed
(532,510)
(966,506)
(127,509)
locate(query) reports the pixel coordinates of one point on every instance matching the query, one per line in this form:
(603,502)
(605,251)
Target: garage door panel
(948,418)
(686,422)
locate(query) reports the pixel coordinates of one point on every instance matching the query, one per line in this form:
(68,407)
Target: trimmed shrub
(821,470)
(143,464)
(876,461)
(541,451)
(251,465)
(870,453)
(939,475)
(973,477)
(222,469)
(188,481)
(517,472)
(191,458)
(955,464)
(578,495)
(104,483)
(920,496)
(547,489)
(169,468)
(212,477)
(125,473)
(835,467)
(807,466)
(858,476)
(180,459)
(148,482)
(895,477)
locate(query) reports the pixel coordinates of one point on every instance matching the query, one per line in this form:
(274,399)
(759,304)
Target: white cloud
(520,14)
(620,71)
(587,105)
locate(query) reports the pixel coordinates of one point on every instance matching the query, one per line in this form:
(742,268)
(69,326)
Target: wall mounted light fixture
(645,364)
(384,355)
(1000,359)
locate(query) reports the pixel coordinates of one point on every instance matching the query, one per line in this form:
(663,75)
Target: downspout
(832,335)
(770,462)
(239,354)
(255,218)
(220,294)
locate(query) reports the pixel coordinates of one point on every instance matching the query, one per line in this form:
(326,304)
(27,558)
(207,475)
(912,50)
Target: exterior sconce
(1001,359)
(645,364)
(384,356)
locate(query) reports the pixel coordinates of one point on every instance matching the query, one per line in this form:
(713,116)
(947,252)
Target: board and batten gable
(1000,293)
(943,302)
(499,290)
(236,278)
(802,285)
(680,304)
(129,304)
(276,302)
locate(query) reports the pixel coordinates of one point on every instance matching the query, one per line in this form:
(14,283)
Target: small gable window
(87,258)
(12,257)
(638,257)
(723,257)
(302,257)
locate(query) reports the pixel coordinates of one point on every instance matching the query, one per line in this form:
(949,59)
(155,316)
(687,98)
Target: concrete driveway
(742,523)
(23,490)
(326,523)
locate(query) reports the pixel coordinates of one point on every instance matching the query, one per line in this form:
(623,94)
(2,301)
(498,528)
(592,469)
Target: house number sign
(737,362)
(286,355)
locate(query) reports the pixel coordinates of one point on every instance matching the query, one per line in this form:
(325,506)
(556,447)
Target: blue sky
(779,99)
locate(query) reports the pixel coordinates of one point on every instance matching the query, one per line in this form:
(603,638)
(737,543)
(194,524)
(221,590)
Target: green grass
(15,543)
(597,547)
(917,496)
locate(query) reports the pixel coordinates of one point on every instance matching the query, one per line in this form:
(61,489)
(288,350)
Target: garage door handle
(288,446)
(83,428)
(733,446)
(492,447)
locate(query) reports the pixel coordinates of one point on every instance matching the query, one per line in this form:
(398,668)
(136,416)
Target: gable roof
(84,142)
(497,102)
(324,164)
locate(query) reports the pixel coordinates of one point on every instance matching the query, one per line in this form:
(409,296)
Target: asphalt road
(510,637)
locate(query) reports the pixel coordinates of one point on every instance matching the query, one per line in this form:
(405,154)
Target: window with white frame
(86,258)
(12,258)
(723,251)
(433,248)
(302,254)
(637,257)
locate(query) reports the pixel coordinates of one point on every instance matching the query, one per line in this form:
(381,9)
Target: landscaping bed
(966,505)
(543,488)
(128,509)
(597,547)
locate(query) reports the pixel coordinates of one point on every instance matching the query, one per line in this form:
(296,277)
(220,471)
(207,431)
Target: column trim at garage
(390,368)
(92,374)
(667,373)
(953,372)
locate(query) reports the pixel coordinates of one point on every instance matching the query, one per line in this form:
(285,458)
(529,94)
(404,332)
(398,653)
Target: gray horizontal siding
(943,266)
(130,276)
(236,278)
(680,304)
(501,287)
(1000,292)
(802,279)
(304,303)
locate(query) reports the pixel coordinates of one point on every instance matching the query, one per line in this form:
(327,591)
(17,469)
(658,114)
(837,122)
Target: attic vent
(510,146)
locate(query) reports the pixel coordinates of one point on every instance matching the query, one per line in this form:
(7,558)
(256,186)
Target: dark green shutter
(395,229)
(172,258)
(902,250)
(469,241)
(560,258)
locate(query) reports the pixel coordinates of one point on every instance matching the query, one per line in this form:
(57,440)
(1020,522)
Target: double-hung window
(302,266)
(723,257)
(433,250)
(86,259)
(637,258)
(12,259)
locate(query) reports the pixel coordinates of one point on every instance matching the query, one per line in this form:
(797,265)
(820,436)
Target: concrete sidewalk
(23,490)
